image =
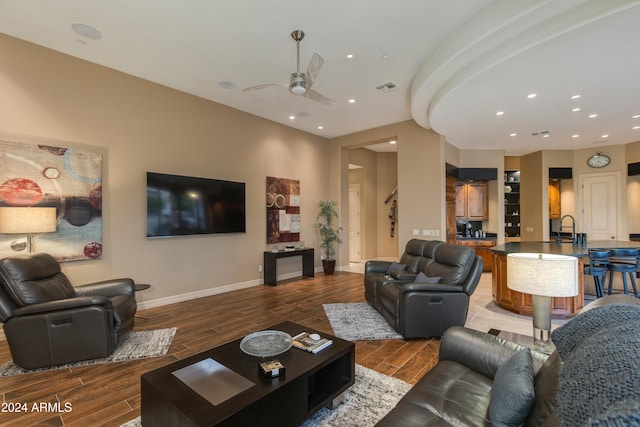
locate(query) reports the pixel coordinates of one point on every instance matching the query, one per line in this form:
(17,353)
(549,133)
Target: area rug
(369,399)
(358,321)
(137,345)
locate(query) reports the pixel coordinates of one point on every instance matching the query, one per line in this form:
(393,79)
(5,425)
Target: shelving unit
(512,204)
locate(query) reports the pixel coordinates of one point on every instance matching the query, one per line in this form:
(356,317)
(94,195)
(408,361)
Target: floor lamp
(543,276)
(29,221)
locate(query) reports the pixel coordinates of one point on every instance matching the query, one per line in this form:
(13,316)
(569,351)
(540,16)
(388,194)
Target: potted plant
(328,233)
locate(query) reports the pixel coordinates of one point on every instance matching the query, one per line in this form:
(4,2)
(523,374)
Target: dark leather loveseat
(49,322)
(592,379)
(424,305)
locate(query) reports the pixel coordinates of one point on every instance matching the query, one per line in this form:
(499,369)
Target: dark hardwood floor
(109,394)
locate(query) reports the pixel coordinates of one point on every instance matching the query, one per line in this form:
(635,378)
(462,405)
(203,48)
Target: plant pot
(328,266)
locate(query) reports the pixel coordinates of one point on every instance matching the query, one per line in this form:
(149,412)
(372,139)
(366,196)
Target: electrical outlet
(416,232)
(260,268)
(529,229)
(426,232)
(435,232)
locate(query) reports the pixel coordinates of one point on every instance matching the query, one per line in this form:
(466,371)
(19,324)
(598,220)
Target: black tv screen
(182,205)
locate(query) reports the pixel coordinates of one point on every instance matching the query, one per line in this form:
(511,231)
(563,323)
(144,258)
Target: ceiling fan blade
(257,87)
(314,68)
(312,94)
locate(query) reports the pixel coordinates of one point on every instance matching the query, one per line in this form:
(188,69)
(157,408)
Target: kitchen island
(521,303)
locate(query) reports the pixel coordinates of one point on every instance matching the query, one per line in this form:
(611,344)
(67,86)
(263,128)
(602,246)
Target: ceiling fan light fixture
(298,84)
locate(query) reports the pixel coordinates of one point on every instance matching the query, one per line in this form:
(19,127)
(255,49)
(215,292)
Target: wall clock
(598,160)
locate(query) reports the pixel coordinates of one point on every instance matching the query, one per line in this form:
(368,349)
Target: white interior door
(600,200)
(354,223)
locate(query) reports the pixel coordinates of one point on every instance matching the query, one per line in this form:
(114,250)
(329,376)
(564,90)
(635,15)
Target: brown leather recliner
(49,322)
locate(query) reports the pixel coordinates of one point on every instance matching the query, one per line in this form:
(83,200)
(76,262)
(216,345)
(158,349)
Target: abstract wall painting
(283,210)
(68,179)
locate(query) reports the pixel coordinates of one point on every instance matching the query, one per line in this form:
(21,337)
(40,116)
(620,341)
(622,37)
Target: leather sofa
(49,322)
(416,309)
(591,379)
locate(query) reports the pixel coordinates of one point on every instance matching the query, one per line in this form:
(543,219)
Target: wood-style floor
(109,394)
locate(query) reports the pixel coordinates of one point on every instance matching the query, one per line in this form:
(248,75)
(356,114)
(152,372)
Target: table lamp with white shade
(543,276)
(29,221)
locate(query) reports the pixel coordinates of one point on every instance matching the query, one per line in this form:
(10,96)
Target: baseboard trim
(214,291)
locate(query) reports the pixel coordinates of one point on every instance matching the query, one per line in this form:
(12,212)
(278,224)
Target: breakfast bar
(521,303)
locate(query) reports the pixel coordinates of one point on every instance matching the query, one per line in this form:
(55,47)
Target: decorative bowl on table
(266,343)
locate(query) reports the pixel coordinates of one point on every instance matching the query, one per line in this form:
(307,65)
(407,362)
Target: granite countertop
(564,248)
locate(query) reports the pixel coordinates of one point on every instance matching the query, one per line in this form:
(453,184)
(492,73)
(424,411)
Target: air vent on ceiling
(387,87)
(541,133)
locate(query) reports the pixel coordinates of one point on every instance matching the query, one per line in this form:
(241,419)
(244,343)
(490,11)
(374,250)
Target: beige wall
(420,177)
(141,126)
(387,181)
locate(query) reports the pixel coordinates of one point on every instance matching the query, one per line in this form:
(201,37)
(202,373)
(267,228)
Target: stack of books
(303,341)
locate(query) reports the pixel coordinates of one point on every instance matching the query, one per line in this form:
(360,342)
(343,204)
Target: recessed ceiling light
(604,136)
(499,113)
(393,141)
(320,127)
(385,56)
(352,101)
(86,31)
(575,96)
(292,117)
(636,116)
(635,127)
(513,134)
(546,136)
(575,136)
(349,56)
(593,116)
(531,95)
(576,109)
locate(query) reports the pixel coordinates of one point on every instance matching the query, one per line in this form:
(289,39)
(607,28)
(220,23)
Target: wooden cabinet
(555,207)
(482,248)
(451,210)
(471,200)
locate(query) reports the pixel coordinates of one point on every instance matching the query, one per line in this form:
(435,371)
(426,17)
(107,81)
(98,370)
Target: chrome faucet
(573,228)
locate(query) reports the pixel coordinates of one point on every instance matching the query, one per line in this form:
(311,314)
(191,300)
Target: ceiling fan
(300,83)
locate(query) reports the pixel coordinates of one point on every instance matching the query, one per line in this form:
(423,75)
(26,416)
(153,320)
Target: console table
(270,261)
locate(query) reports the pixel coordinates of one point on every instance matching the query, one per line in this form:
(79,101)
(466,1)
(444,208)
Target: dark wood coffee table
(311,382)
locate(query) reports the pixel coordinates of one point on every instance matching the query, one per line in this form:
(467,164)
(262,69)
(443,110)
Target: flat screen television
(182,205)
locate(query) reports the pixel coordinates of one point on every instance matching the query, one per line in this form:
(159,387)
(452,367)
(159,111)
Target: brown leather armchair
(47,321)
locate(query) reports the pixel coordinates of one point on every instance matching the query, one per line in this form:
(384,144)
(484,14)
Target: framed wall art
(69,179)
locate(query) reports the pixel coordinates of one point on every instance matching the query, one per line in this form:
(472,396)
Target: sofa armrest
(483,353)
(62,304)
(430,287)
(403,275)
(376,266)
(107,288)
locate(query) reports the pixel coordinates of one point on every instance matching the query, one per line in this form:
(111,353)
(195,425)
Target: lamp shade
(26,220)
(543,274)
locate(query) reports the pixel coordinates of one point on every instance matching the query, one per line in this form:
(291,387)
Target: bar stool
(598,267)
(625,261)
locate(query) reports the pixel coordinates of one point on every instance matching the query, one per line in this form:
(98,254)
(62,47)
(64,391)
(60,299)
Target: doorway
(600,201)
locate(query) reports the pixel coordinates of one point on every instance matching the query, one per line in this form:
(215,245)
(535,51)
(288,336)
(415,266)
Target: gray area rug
(358,321)
(137,345)
(369,399)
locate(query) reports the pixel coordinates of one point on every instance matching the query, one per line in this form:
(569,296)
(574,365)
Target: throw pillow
(512,393)
(423,278)
(396,266)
